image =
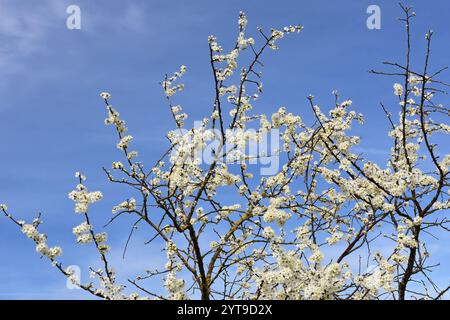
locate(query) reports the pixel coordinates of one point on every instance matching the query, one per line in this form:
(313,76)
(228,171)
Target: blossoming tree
(290,234)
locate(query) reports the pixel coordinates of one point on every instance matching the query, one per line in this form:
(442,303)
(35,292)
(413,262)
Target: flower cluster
(40,239)
(83,198)
(128,205)
(83,233)
(168,86)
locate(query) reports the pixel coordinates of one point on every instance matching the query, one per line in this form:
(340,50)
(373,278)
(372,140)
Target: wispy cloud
(135,18)
(22,29)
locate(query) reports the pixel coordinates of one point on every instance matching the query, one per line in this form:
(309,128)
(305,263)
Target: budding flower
(242,20)
(117,165)
(3,207)
(105,95)
(80,176)
(268,233)
(398,89)
(417,221)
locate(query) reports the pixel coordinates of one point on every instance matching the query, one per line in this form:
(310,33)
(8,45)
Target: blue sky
(52,116)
